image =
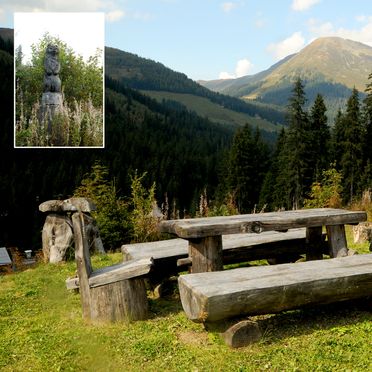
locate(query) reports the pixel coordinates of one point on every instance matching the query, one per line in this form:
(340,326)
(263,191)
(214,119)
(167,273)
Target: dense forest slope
(147,75)
(179,150)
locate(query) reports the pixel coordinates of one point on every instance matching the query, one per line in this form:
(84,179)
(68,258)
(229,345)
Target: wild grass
(79,126)
(41,329)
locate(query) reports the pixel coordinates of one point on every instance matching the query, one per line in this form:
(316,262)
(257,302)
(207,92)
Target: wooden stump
(242,334)
(121,301)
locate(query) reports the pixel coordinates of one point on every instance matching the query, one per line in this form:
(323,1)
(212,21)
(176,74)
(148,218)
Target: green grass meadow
(41,329)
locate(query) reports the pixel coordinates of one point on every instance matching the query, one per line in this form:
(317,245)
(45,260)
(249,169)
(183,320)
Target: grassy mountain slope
(216,113)
(147,75)
(331,66)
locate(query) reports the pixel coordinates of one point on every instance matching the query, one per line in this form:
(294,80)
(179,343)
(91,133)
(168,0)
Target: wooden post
(84,267)
(206,254)
(337,241)
(314,249)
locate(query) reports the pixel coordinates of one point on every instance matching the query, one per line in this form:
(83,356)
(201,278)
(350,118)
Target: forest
(189,163)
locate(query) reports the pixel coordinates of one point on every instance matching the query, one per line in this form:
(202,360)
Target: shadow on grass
(304,321)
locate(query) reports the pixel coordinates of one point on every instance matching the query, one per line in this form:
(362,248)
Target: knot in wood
(250,227)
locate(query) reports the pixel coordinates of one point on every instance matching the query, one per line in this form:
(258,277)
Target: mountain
(156,80)
(6,33)
(331,66)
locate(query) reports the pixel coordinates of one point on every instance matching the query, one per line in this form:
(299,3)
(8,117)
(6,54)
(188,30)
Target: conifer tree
(351,161)
(320,137)
(296,155)
(367,135)
(247,166)
(338,139)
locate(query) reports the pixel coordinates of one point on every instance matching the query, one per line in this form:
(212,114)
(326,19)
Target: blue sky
(208,39)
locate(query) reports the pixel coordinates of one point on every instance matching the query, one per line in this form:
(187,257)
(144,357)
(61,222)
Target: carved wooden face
(52,50)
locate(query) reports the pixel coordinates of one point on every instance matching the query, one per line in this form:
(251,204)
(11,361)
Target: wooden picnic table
(205,234)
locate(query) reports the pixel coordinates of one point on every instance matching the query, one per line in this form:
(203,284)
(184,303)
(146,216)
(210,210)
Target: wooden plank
(268,289)
(125,270)
(206,254)
(82,258)
(212,226)
(178,247)
(337,241)
(4,257)
(68,205)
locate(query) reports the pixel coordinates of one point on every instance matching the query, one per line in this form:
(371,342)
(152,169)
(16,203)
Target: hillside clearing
(41,329)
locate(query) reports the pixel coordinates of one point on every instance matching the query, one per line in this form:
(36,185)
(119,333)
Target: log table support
(337,241)
(206,254)
(314,239)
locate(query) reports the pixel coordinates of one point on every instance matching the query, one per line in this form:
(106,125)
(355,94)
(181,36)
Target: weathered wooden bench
(6,263)
(171,256)
(112,293)
(212,296)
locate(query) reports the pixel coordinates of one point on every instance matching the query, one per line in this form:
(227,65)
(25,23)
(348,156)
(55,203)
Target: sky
(211,39)
(84,34)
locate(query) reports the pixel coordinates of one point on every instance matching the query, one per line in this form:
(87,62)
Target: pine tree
(351,161)
(247,166)
(320,138)
(367,136)
(296,170)
(273,188)
(338,139)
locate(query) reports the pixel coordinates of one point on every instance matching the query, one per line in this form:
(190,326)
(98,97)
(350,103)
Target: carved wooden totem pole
(51,101)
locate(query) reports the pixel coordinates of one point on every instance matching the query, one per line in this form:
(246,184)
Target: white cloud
(84,34)
(114,15)
(363,34)
(288,46)
(228,6)
(226,75)
(301,5)
(54,5)
(242,68)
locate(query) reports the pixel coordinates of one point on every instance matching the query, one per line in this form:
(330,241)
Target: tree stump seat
(171,256)
(114,293)
(213,296)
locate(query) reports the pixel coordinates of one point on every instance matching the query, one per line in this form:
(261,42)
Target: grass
(81,125)
(214,112)
(41,329)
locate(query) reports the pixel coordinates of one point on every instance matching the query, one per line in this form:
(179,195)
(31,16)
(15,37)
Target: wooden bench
(6,263)
(171,256)
(212,296)
(112,293)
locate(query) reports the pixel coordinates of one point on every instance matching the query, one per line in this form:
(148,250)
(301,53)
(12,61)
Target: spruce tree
(247,166)
(367,136)
(296,170)
(351,161)
(338,139)
(320,137)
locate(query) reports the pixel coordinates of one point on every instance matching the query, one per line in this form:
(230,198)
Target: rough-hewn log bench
(212,296)
(171,256)
(204,235)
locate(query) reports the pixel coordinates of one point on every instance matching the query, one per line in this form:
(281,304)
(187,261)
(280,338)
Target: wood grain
(268,289)
(212,226)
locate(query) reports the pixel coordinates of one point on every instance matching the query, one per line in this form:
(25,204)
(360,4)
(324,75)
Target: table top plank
(259,222)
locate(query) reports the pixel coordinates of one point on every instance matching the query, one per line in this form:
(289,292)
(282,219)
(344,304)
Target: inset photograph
(59,80)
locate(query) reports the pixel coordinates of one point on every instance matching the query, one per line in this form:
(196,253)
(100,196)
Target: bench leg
(206,254)
(314,249)
(337,241)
